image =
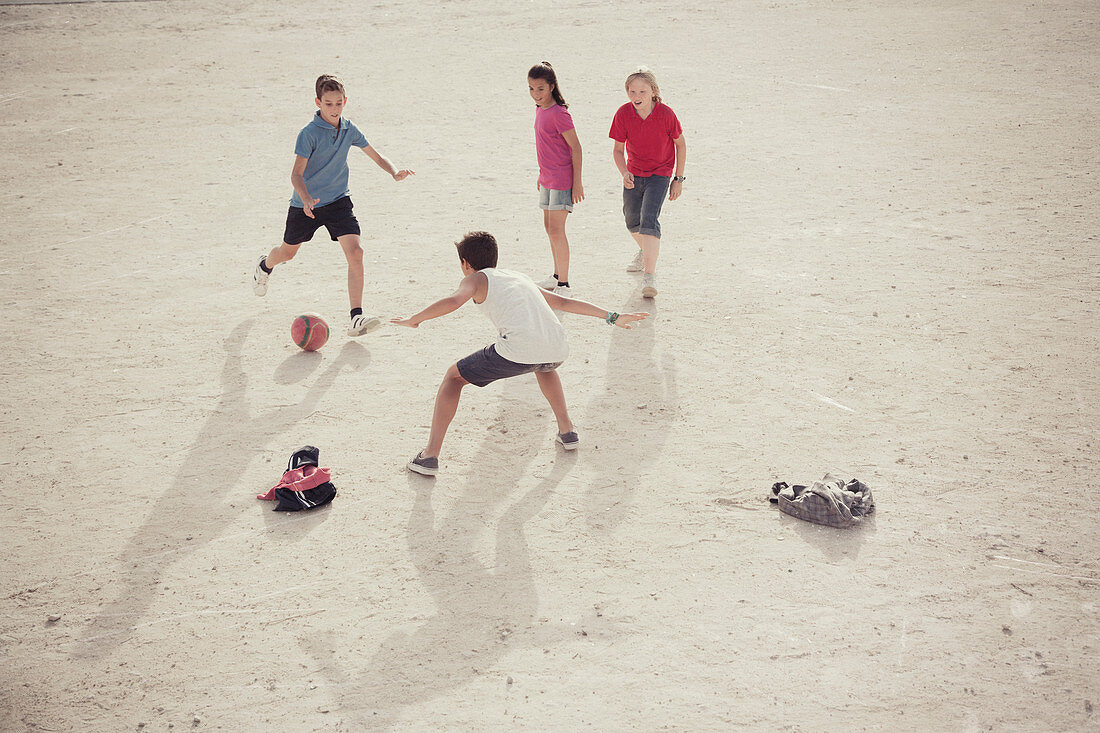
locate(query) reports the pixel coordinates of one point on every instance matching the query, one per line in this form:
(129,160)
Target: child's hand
(675,190)
(628,180)
(578,192)
(403,174)
(404,322)
(307,206)
(625,318)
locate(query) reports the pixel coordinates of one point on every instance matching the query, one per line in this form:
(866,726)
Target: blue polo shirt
(326,150)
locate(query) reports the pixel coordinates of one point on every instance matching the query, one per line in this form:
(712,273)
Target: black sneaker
(424,466)
(569,440)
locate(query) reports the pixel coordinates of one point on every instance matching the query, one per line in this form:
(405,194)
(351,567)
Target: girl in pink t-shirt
(559,156)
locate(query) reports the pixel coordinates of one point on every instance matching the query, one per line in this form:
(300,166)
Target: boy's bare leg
(354,254)
(651,247)
(550,384)
(554,221)
(446,404)
(283,253)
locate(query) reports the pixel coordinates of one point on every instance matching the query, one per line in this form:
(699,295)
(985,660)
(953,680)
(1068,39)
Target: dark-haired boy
(321,198)
(531,339)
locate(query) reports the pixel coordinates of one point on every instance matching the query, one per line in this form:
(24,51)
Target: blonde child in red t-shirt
(650,153)
(559,155)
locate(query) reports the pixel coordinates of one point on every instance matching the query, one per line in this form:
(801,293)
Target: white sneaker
(548,284)
(362,324)
(637,264)
(564,291)
(259,279)
(649,285)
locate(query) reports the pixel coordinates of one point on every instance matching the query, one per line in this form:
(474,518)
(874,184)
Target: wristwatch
(679,178)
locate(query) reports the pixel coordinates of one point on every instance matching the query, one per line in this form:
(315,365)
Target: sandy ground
(885,262)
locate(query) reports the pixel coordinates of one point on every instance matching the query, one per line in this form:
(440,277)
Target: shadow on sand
(482,612)
(191,512)
(632,416)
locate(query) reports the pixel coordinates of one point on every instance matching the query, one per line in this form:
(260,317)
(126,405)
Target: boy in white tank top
(531,340)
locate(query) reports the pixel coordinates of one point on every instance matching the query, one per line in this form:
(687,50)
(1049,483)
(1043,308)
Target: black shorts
(337,217)
(487,366)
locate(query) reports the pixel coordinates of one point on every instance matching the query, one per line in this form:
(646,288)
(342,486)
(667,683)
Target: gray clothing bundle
(835,500)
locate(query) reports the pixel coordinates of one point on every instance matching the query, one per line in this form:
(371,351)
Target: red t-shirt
(649,148)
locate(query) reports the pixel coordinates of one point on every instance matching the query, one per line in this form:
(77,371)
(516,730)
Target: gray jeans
(642,204)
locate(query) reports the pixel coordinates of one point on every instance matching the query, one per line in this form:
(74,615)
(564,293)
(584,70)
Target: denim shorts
(551,199)
(642,204)
(337,217)
(487,366)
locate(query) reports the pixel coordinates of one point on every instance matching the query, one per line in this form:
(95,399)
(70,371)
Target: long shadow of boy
(482,613)
(190,512)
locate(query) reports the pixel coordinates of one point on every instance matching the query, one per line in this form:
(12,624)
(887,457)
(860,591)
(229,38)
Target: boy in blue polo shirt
(320,180)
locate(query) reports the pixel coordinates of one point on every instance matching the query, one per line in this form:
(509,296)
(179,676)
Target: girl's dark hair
(479,249)
(543,70)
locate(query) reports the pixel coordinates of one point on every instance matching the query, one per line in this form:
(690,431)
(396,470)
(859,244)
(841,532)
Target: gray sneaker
(649,285)
(259,278)
(363,324)
(424,466)
(569,440)
(637,264)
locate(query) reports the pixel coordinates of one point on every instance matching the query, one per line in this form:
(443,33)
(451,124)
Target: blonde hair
(644,74)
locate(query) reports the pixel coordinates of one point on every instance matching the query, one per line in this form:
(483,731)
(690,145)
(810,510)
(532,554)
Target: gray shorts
(487,366)
(551,199)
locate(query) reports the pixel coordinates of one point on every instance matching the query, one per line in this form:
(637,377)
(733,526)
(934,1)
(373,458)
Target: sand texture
(885,262)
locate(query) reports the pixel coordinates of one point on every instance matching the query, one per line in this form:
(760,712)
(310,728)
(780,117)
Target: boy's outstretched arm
(584,308)
(384,163)
(443,306)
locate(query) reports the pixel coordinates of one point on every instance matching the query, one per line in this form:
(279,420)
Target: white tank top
(530,333)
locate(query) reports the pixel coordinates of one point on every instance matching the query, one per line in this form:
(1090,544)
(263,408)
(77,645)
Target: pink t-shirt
(649,148)
(554,154)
